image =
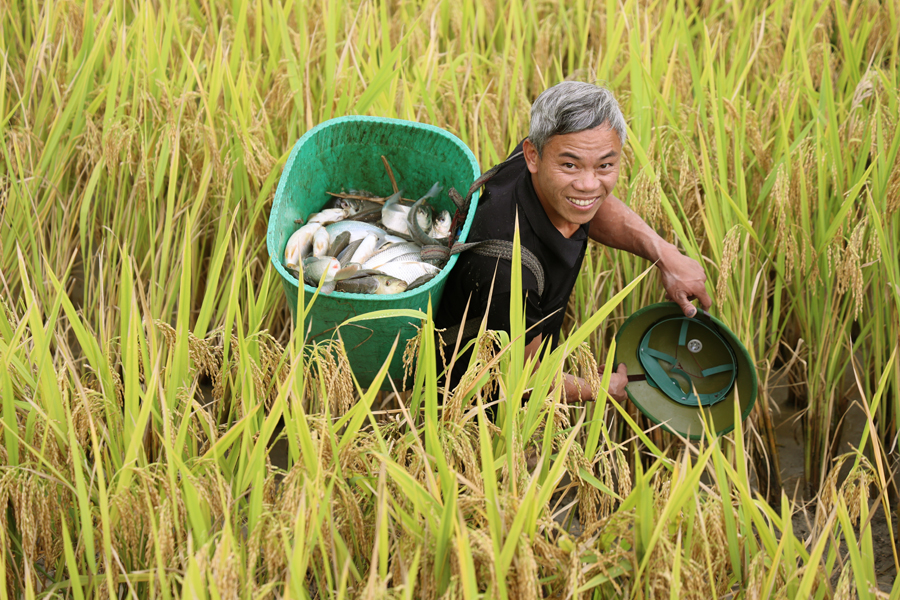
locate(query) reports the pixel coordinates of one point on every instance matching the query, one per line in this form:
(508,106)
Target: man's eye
(568,165)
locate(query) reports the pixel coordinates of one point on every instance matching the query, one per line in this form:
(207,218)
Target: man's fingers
(687,308)
(621,370)
(705,300)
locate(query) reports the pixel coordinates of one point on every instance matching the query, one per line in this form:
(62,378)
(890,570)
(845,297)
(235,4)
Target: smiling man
(559,182)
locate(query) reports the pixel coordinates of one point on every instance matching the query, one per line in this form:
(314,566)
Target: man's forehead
(589,141)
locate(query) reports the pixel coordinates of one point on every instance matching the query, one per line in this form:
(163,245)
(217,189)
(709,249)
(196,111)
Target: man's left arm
(617,226)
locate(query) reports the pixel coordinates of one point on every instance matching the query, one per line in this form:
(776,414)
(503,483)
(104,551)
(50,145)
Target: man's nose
(588,182)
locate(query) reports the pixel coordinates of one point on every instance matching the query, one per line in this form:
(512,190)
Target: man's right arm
(617,226)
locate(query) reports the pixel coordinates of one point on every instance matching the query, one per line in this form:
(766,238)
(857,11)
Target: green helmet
(678,366)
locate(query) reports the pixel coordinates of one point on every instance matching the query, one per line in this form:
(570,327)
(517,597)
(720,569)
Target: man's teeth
(579,202)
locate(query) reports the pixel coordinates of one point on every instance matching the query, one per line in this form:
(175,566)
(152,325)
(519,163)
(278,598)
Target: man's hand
(617,382)
(683,278)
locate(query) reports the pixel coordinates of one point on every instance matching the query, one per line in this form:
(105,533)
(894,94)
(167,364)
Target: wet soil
(789,435)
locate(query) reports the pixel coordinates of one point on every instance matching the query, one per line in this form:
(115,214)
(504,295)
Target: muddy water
(789,435)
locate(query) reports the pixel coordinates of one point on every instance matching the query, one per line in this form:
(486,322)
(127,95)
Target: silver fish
(441,227)
(339,248)
(329,215)
(354,206)
(408,271)
(365,249)
(373,284)
(338,244)
(299,245)
(314,268)
(395,215)
(416,230)
(390,253)
(358,230)
(321,241)
(408,257)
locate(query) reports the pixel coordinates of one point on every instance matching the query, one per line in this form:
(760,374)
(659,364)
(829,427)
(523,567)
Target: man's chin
(580,217)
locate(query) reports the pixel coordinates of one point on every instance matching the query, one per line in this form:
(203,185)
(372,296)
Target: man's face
(575,175)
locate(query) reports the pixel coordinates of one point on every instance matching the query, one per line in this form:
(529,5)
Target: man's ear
(531,155)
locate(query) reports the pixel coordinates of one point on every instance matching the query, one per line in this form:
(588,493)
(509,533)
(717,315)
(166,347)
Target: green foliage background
(141,144)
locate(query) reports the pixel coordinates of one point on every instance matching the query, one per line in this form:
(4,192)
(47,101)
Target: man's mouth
(582,202)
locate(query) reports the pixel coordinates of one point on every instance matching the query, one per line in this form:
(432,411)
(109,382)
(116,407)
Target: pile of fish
(357,244)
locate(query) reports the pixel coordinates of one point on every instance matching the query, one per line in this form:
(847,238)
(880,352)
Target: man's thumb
(687,308)
(621,370)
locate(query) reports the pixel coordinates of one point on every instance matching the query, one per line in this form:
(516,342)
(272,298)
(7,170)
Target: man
(561,189)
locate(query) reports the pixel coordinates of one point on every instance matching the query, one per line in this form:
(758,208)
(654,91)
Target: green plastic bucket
(346,153)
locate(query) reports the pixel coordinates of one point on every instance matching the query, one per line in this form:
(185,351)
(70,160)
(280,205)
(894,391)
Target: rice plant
(151,368)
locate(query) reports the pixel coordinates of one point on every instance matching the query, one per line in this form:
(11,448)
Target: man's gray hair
(573,106)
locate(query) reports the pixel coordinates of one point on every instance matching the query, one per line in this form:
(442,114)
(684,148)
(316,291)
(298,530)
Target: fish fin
(347,253)
(347,272)
(393,198)
(434,190)
(419,281)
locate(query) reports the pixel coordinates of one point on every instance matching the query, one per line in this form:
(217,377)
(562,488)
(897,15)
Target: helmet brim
(677,417)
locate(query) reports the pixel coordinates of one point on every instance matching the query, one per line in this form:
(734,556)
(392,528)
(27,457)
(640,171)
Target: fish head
(440,229)
(444,219)
(333,202)
(314,267)
(390,285)
(332,268)
(350,205)
(424,217)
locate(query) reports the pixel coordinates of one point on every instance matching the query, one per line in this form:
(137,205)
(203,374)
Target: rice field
(167,432)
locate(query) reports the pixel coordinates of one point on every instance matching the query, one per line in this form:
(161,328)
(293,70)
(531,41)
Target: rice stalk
(141,146)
